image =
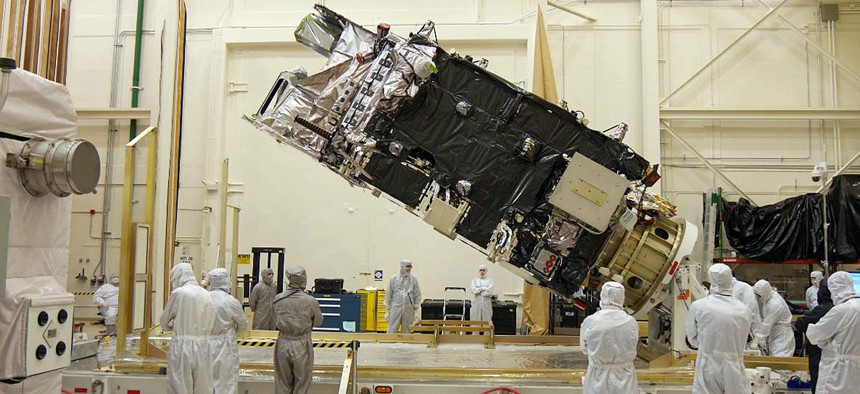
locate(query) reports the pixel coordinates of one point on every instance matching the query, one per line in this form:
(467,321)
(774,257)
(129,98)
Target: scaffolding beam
(706,162)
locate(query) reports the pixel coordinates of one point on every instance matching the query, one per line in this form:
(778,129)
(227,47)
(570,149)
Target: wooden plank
(3,18)
(537,340)
(348,336)
(31,42)
(17,37)
(174,149)
(775,363)
(346,374)
(453,322)
(63,50)
(449,329)
(53,44)
(124,321)
(146,348)
(45,37)
(462,339)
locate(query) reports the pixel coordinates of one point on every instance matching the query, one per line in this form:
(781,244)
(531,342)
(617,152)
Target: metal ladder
(453,316)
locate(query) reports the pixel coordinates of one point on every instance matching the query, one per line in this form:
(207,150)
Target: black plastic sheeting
(792,229)
(481,143)
(396,179)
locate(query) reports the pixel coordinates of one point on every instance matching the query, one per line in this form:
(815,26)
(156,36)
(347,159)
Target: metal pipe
(570,11)
(112,130)
(834,96)
(826,224)
(135,74)
(723,52)
(822,139)
(796,168)
(234,268)
(222,210)
(706,162)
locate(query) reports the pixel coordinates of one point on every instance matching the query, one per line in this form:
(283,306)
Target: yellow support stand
(129,271)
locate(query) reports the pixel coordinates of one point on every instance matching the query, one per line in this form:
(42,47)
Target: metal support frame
(570,11)
(127,274)
(813,44)
(440,327)
(705,161)
(839,172)
(256,253)
(349,376)
(723,52)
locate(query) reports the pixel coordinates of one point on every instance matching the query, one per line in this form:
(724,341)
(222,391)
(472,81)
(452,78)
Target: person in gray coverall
(296,313)
(261,299)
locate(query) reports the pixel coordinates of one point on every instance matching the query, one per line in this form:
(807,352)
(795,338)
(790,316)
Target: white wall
(337,231)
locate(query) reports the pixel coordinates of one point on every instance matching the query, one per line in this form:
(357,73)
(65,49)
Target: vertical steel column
(650,53)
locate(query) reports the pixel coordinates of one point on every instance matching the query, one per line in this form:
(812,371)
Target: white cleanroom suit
(718,326)
(610,338)
(482,288)
(229,318)
(775,332)
(838,335)
(190,314)
(812,292)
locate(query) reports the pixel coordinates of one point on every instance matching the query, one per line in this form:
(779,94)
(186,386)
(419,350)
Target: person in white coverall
(775,334)
(744,293)
(482,288)
(812,292)
(229,318)
(296,313)
(190,314)
(838,335)
(718,326)
(260,301)
(402,298)
(107,298)
(609,338)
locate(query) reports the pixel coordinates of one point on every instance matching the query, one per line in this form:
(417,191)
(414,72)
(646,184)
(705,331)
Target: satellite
(520,179)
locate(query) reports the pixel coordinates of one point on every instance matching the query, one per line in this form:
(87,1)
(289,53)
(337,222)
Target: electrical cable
(494,389)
